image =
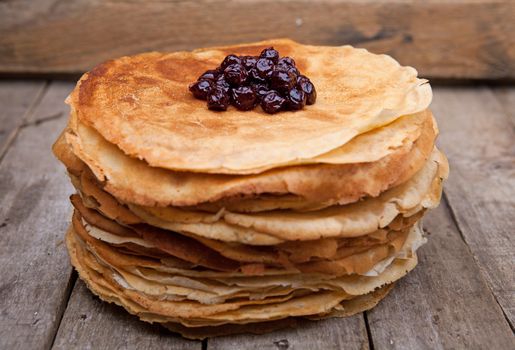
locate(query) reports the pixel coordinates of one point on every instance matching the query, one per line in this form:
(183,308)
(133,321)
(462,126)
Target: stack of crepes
(221,222)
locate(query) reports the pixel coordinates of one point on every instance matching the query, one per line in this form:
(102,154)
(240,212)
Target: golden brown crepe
(134,181)
(141,105)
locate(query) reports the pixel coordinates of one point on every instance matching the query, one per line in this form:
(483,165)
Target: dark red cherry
(272,102)
(296,99)
(304,84)
(282,81)
(228,60)
(244,98)
(235,74)
(218,100)
(201,88)
(271,54)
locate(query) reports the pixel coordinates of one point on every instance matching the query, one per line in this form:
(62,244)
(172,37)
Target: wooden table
(461,296)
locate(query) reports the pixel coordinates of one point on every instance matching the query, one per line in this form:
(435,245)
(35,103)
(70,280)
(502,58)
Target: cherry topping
(272,81)
(211,74)
(287,68)
(244,98)
(235,74)
(264,67)
(255,77)
(282,80)
(201,88)
(296,99)
(304,84)
(248,62)
(272,102)
(230,59)
(271,54)
(218,100)
(286,61)
(260,89)
(222,83)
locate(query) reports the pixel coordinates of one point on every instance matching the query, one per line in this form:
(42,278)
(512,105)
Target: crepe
(141,105)
(134,181)
(92,270)
(344,257)
(347,308)
(421,191)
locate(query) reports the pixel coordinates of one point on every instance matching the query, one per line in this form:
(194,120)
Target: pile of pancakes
(221,222)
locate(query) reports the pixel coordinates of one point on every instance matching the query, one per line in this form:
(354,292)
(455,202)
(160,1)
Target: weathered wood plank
(444,303)
(454,39)
(52,106)
(16,99)
(338,333)
(89,323)
(479,137)
(506,96)
(34,211)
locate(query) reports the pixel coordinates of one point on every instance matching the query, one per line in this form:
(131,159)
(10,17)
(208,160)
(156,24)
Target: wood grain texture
(453,39)
(506,96)
(89,323)
(444,303)
(478,138)
(34,211)
(339,333)
(16,99)
(52,105)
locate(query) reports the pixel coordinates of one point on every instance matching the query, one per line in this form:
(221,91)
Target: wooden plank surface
(34,211)
(478,137)
(16,99)
(52,105)
(89,323)
(444,303)
(343,333)
(442,39)
(506,96)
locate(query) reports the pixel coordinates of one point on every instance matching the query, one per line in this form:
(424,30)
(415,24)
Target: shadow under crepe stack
(214,223)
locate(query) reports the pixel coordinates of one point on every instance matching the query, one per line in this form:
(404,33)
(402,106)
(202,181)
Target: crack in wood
(478,264)
(40,121)
(64,304)
(28,112)
(369,331)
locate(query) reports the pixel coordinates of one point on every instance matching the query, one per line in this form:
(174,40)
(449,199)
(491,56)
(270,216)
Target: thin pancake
(142,104)
(318,303)
(348,308)
(420,192)
(356,255)
(133,181)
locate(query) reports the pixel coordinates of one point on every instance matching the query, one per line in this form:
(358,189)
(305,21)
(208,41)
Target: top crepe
(142,105)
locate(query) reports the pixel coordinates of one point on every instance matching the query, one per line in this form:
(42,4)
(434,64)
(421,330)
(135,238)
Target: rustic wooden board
(344,333)
(52,106)
(444,303)
(453,39)
(89,323)
(478,137)
(34,268)
(506,96)
(16,99)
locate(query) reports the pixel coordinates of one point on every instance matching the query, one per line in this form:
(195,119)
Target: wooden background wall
(471,39)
